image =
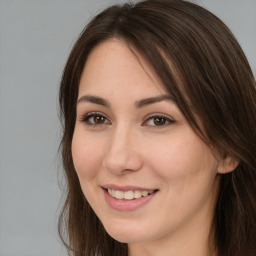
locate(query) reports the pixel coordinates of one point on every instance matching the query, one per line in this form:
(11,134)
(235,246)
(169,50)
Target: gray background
(35,39)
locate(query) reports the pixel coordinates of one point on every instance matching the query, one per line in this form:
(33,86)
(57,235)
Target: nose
(122,155)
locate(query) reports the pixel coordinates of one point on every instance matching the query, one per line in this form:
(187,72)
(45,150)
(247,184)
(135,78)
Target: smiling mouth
(129,195)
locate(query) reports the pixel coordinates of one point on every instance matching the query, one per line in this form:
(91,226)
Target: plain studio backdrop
(36,37)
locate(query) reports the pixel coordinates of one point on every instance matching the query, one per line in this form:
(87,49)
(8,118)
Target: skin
(129,148)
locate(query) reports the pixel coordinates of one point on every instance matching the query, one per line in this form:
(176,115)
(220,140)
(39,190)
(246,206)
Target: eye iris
(159,121)
(99,119)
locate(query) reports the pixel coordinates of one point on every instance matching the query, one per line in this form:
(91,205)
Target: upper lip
(127,188)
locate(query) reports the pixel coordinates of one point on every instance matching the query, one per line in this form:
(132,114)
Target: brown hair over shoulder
(204,69)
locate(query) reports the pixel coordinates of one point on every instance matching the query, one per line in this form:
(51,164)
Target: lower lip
(127,205)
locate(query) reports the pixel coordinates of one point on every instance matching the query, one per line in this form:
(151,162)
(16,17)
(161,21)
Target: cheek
(182,158)
(86,156)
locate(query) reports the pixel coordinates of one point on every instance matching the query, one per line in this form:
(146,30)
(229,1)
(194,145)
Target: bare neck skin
(196,244)
(189,241)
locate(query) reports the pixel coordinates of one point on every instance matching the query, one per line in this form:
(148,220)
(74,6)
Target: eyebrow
(93,99)
(139,104)
(152,100)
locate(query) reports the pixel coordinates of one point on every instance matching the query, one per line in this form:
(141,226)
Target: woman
(159,115)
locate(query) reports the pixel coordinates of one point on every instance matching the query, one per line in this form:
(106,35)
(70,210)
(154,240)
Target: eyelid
(88,115)
(167,118)
(85,119)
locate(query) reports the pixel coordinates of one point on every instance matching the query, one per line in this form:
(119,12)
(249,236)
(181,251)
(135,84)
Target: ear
(227,164)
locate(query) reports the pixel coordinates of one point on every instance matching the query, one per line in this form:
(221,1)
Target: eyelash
(87,117)
(167,120)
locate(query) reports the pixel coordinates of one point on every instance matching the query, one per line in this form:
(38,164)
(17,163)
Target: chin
(126,238)
(125,235)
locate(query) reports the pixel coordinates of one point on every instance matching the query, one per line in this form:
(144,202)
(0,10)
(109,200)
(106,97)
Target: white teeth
(119,194)
(129,195)
(137,194)
(144,193)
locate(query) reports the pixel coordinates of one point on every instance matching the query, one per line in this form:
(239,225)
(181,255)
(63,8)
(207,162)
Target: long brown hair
(203,67)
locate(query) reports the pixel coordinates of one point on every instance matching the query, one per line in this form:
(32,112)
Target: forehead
(114,63)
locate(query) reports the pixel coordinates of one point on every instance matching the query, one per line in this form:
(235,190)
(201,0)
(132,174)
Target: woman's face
(145,172)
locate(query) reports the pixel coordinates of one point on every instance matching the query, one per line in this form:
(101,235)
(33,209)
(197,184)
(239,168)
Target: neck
(195,238)
(196,244)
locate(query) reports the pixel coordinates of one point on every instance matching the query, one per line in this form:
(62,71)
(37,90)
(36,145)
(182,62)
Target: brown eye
(98,120)
(95,119)
(157,121)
